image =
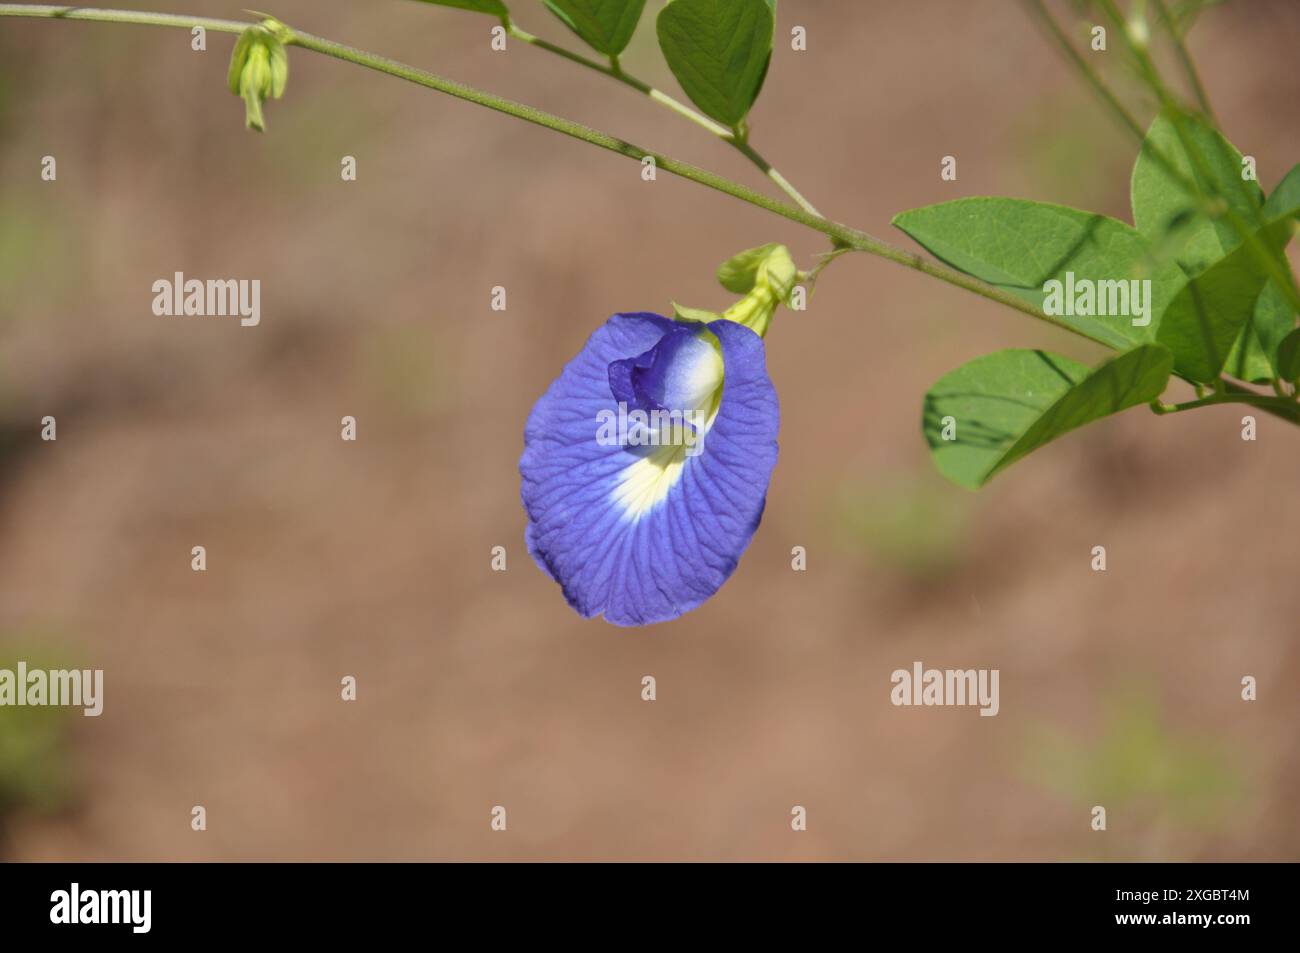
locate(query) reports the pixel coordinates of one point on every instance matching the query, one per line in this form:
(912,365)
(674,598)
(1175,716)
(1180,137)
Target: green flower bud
(259,69)
(766,276)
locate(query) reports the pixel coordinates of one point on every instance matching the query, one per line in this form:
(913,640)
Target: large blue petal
(632,562)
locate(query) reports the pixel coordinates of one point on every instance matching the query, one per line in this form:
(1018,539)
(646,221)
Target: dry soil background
(372,559)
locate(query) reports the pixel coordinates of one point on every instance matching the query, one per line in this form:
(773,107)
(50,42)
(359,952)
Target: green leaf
(1210,322)
(719,51)
(1284,200)
(1019,246)
(1288,357)
(1005,405)
(495,7)
(1164,210)
(604,25)
(1203,322)
(1251,355)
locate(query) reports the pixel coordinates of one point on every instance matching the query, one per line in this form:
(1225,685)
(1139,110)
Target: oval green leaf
(1163,208)
(719,51)
(1210,320)
(1251,358)
(1253,354)
(1020,246)
(1003,406)
(604,25)
(1204,321)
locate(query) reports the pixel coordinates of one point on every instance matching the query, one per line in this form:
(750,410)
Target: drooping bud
(765,276)
(259,68)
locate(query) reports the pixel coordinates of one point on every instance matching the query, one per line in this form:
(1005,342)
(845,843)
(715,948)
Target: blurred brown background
(372,559)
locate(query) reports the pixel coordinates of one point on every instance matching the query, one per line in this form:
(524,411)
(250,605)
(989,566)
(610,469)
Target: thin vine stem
(1185,59)
(1283,405)
(138,17)
(843,235)
(1285,281)
(1151,74)
(1091,76)
(1225,391)
(615,72)
(618,73)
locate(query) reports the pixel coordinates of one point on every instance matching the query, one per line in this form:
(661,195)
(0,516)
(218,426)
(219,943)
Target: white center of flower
(695,383)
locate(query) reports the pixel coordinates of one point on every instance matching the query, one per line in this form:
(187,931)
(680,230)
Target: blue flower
(646,465)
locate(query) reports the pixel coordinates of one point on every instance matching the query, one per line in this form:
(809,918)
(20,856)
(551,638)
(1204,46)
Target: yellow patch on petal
(645,484)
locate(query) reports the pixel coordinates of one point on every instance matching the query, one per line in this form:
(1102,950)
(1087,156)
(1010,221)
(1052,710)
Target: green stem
(1279,405)
(615,72)
(1185,58)
(1090,75)
(52,11)
(1283,278)
(810,278)
(843,235)
(558,124)
(1151,75)
(782,183)
(1111,101)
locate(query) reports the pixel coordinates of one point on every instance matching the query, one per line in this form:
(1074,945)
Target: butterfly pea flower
(646,463)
